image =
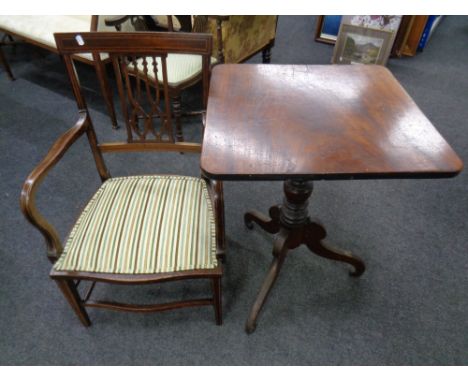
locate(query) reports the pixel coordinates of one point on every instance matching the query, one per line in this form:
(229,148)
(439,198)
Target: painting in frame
(327,28)
(360,45)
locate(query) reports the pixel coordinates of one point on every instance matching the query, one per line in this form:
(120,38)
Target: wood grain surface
(318,122)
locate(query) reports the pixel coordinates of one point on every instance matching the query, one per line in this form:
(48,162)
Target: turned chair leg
(217,300)
(176,105)
(68,289)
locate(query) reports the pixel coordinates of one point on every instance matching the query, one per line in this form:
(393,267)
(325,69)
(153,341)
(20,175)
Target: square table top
(270,122)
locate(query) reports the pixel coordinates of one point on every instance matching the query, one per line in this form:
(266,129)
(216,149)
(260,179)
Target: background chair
(135,229)
(39,31)
(236,39)
(183,70)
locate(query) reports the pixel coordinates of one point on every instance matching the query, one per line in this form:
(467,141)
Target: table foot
(271,225)
(313,236)
(293,226)
(280,250)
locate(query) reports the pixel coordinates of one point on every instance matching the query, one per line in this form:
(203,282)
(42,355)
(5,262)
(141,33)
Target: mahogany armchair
(135,229)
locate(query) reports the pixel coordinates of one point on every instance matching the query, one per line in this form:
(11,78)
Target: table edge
(338,176)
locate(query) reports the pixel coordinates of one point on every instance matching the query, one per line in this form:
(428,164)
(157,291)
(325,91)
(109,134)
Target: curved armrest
(215,189)
(27,199)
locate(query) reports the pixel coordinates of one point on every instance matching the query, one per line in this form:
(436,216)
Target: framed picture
(389,23)
(360,45)
(327,28)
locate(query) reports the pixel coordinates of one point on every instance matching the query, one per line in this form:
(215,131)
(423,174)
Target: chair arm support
(28,192)
(215,189)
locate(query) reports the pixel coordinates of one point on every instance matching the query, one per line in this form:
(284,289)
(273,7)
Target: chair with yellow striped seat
(136,229)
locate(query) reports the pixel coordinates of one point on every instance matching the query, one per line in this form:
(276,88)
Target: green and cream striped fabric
(143,225)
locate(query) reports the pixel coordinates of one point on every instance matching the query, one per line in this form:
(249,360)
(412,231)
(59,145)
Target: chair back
(139,60)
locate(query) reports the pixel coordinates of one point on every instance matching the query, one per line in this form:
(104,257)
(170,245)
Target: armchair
(135,229)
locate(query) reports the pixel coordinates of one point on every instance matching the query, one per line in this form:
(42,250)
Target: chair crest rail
(134,43)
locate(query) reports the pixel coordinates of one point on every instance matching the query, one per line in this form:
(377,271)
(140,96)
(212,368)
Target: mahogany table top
(318,122)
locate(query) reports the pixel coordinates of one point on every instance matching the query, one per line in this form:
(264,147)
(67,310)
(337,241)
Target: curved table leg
(280,251)
(271,225)
(313,236)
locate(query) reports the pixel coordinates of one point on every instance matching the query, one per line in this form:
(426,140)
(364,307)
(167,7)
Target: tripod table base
(293,227)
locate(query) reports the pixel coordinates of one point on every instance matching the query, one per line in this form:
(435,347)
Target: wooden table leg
(293,227)
(313,236)
(271,225)
(280,250)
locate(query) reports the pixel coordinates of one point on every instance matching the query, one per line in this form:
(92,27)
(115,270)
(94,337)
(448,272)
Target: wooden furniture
(39,31)
(304,123)
(137,229)
(240,37)
(408,36)
(236,38)
(3,59)
(184,70)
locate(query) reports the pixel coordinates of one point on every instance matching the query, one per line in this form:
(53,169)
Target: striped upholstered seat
(143,225)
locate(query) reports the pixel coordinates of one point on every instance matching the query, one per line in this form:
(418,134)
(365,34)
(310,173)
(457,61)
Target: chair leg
(12,42)
(217,300)
(266,54)
(176,105)
(5,64)
(68,289)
